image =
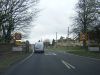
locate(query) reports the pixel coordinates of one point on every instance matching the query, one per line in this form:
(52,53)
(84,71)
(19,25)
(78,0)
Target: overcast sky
(54,17)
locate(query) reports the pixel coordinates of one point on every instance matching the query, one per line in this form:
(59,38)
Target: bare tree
(86,18)
(15,15)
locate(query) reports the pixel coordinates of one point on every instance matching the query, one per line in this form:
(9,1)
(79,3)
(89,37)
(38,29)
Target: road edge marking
(27,58)
(16,65)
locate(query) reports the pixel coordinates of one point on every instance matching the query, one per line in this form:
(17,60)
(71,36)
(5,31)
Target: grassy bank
(78,51)
(9,58)
(65,48)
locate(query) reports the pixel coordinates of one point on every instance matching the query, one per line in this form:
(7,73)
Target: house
(67,42)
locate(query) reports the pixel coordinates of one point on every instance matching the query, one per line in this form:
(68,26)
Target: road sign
(18,36)
(18,42)
(83,36)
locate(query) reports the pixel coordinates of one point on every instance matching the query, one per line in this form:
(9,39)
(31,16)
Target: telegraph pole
(68,32)
(41,39)
(67,38)
(56,39)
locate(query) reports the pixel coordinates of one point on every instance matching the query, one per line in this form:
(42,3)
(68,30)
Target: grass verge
(78,51)
(10,58)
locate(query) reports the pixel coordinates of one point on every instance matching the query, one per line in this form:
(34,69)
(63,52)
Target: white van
(39,47)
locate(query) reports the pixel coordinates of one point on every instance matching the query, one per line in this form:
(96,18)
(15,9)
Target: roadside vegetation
(77,51)
(87,22)
(15,16)
(9,58)
(15,24)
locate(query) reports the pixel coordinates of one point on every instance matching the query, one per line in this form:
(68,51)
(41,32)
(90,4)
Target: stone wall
(5,47)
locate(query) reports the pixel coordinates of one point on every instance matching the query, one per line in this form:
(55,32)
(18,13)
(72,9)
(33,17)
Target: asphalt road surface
(55,63)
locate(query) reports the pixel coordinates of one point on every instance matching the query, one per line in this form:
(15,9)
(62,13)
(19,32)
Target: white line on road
(27,57)
(54,53)
(66,64)
(69,66)
(50,53)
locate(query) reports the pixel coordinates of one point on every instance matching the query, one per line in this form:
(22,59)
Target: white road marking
(69,66)
(50,53)
(54,53)
(27,57)
(66,64)
(47,54)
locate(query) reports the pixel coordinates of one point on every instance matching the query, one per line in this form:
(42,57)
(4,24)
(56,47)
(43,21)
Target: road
(55,63)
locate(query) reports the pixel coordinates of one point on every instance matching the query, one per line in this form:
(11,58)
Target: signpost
(18,36)
(83,36)
(84,39)
(18,42)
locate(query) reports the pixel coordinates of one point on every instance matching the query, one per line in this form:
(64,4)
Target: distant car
(39,47)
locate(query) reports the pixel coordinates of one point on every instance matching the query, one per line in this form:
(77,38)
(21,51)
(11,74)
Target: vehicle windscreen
(38,45)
